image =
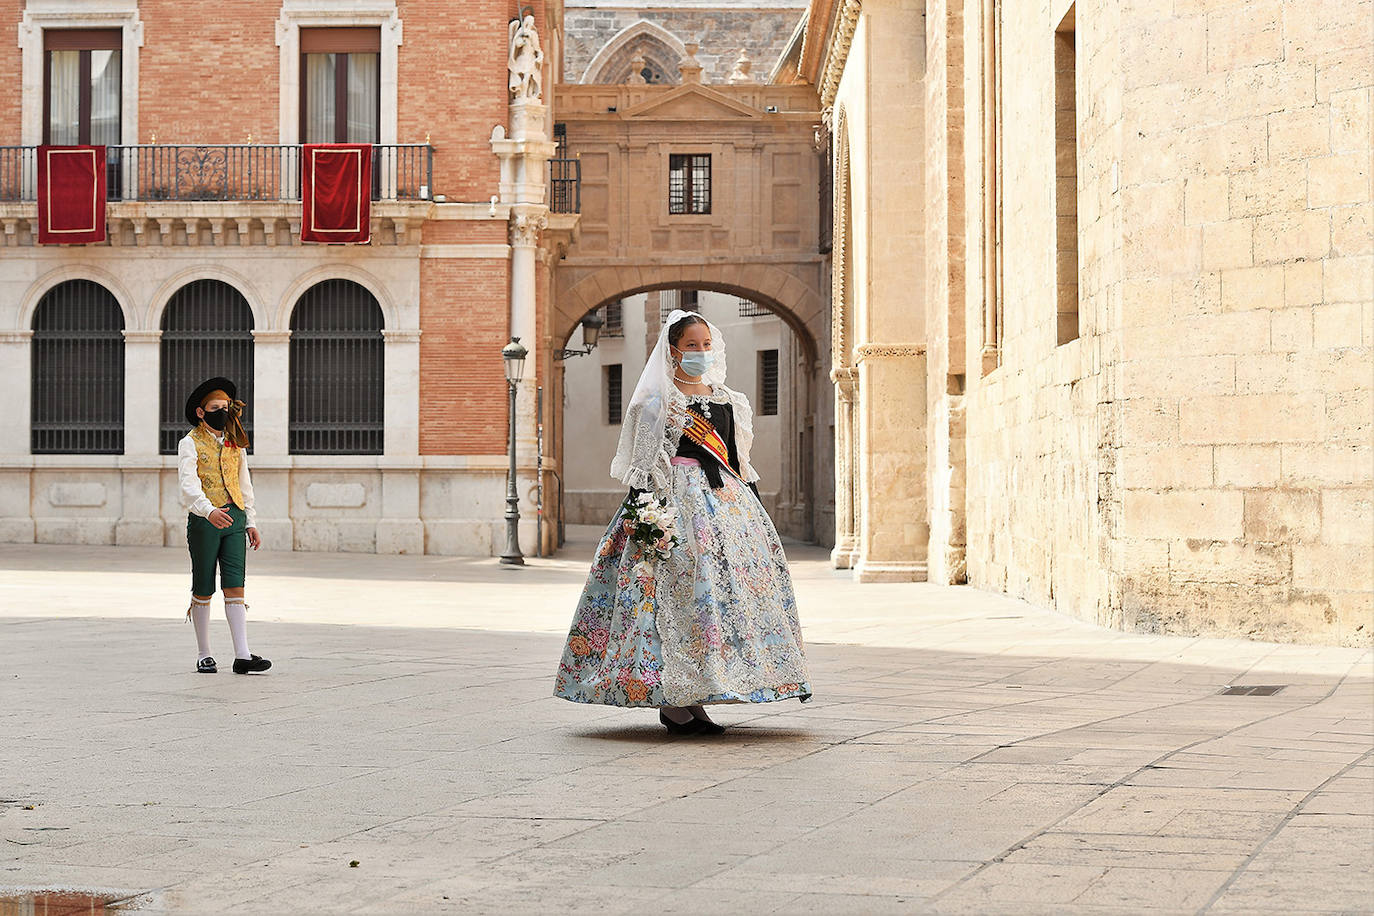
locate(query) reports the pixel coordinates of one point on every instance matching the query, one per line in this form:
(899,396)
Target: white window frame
(298,14)
(75,14)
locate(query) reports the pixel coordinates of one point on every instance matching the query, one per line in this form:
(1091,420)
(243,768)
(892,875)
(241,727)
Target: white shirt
(193,497)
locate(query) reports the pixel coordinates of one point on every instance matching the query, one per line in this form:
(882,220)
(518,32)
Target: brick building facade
(208,103)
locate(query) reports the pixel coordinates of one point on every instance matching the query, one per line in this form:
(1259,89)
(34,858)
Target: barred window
(207,330)
(689,183)
(768,383)
(751,309)
(78,372)
(615,320)
(614,402)
(336,375)
(686,299)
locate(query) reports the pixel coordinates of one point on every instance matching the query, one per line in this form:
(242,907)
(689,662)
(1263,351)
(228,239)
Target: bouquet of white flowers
(652,524)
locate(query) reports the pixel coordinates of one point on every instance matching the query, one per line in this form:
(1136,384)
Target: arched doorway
(770,361)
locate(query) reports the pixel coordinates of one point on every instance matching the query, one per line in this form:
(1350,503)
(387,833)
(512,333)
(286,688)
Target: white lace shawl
(657,411)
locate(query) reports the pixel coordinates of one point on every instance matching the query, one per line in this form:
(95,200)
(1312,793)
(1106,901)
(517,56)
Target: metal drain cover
(1252,690)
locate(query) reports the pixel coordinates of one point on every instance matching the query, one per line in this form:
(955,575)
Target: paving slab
(965,753)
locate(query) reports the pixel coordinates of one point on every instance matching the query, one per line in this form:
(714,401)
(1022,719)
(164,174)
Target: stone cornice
(841,36)
(142,336)
(15,336)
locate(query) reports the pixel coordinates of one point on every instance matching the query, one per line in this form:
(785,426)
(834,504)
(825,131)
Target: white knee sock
(236,613)
(200,619)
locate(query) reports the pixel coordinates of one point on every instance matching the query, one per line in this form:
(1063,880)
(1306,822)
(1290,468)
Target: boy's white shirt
(193,497)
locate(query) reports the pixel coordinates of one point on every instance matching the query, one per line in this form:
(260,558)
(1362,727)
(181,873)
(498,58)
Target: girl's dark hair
(680,327)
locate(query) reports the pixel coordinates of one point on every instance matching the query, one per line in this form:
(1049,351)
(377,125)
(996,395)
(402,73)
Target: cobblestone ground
(965,753)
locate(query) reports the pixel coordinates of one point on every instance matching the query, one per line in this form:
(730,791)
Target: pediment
(692,102)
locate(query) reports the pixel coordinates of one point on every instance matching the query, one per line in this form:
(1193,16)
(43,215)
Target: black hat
(204,388)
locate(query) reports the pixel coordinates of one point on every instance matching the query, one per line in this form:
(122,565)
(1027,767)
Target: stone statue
(526,60)
(637,64)
(742,67)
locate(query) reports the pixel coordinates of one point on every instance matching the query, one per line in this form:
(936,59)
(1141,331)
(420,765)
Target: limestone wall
(1197,459)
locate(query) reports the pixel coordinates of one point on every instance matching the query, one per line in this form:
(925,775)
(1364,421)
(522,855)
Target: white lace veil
(657,411)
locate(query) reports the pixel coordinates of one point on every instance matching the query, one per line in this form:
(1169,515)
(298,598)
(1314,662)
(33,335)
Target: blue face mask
(696,363)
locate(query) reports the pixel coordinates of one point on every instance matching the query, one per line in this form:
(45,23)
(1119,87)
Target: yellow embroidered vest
(218,469)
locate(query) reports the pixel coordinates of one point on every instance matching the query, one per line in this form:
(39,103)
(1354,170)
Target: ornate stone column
(140,519)
(16,513)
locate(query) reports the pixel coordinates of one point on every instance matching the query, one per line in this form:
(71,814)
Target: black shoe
(694,727)
(708,727)
(251,665)
(206,666)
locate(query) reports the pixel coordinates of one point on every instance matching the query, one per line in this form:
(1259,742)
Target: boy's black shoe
(251,665)
(206,666)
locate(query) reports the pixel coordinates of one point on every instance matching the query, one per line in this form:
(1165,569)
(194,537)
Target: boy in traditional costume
(212,466)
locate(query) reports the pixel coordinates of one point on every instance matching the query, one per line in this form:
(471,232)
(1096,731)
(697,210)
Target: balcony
(225,173)
(565,185)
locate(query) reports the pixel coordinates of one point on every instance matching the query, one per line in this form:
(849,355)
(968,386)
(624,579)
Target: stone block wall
(1245,460)
(1197,459)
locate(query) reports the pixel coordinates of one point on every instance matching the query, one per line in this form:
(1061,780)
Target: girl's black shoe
(251,665)
(708,727)
(694,727)
(206,666)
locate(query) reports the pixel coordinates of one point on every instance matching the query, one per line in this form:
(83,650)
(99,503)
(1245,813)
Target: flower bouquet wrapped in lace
(652,524)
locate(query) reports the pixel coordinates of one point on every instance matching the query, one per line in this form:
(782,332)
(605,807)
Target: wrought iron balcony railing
(227,173)
(565,185)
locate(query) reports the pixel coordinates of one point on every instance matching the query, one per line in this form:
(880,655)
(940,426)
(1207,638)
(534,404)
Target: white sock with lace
(236,612)
(200,619)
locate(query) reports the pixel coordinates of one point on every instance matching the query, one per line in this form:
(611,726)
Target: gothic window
(207,330)
(336,375)
(78,372)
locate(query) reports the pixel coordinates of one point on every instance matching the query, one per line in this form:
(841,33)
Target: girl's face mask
(694,363)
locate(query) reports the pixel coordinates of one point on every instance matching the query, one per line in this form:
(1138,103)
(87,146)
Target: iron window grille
(615,320)
(685,299)
(614,390)
(337,372)
(768,383)
(207,331)
(689,183)
(751,309)
(77,399)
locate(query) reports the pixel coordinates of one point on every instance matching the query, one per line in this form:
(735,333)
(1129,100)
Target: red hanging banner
(71,195)
(336,192)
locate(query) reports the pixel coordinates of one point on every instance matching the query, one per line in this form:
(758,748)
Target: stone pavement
(965,753)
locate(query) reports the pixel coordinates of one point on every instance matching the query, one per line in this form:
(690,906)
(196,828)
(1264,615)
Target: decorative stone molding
(842,374)
(635,34)
(837,53)
(272,335)
(15,337)
(525,228)
(143,336)
(841,310)
(888,351)
(401,336)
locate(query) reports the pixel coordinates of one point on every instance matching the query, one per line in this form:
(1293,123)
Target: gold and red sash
(700,431)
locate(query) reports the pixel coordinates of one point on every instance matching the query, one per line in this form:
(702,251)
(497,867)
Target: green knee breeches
(227,547)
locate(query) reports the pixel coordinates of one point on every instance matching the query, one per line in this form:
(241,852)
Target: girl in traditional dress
(705,614)
(221,522)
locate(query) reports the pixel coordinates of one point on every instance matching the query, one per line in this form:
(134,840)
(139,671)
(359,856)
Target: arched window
(336,371)
(78,372)
(207,330)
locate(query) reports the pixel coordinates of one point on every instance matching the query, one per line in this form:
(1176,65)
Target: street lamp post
(514,355)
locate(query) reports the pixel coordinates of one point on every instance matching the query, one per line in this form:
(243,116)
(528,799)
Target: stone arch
(662,49)
(158,305)
(61,275)
(796,303)
(390,316)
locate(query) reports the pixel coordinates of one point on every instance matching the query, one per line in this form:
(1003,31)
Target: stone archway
(662,51)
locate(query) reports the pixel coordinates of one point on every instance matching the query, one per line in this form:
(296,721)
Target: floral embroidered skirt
(714,623)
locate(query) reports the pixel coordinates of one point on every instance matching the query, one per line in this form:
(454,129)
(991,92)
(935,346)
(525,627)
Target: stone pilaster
(140,519)
(270,463)
(16,520)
